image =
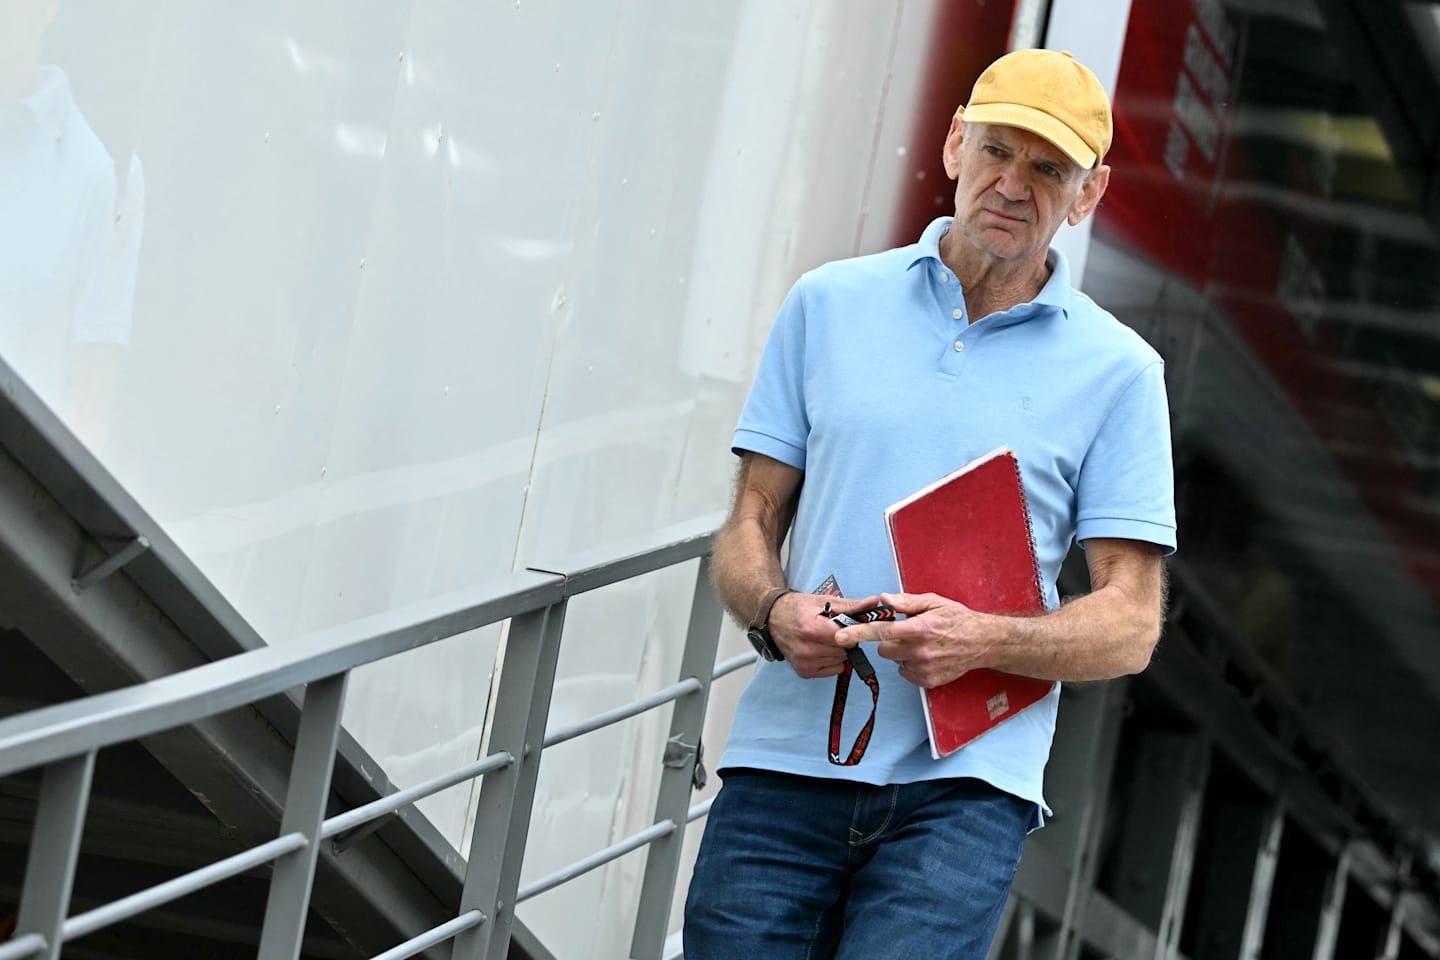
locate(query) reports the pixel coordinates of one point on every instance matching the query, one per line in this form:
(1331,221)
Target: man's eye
(1050,170)
(994,151)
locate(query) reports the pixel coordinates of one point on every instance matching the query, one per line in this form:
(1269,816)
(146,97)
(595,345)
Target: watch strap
(761,619)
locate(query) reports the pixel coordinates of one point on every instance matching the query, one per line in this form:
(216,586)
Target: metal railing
(62,741)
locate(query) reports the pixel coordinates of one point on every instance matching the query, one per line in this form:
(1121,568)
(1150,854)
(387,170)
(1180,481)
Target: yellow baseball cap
(1050,94)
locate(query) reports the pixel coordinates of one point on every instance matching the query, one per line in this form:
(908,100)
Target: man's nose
(1012,185)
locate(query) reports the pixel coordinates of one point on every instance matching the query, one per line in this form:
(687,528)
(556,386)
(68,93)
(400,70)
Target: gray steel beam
(1262,883)
(1008,934)
(114,636)
(1016,937)
(502,818)
(123,830)
(1193,687)
(1305,901)
(612,563)
(288,905)
(687,722)
(50,868)
(1157,844)
(108,914)
(1078,779)
(1332,907)
(1042,880)
(1231,905)
(1112,932)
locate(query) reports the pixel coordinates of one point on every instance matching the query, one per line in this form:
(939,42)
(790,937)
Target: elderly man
(881,374)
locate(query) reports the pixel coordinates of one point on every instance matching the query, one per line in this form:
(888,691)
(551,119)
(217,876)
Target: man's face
(1014,188)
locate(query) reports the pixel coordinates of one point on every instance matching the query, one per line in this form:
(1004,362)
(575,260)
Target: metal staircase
(196,760)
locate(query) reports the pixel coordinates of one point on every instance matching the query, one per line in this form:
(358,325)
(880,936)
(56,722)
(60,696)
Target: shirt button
(944,277)
(958,314)
(959,345)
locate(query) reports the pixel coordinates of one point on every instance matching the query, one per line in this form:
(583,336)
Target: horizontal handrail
(598,859)
(22,947)
(394,801)
(701,809)
(70,729)
(734,663)
(342,822)
(432,936)
(131,713)
(602,566)
(657,699)
(184,885)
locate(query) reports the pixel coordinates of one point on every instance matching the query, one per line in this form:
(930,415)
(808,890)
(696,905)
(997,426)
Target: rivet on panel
(362,263)
(400,57)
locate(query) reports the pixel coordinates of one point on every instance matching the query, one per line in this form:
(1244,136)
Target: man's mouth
(1004,216)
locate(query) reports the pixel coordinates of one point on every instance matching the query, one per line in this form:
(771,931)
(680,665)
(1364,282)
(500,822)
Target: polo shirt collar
(1055,294)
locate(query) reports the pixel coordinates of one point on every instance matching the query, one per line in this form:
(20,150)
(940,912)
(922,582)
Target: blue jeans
(797,868)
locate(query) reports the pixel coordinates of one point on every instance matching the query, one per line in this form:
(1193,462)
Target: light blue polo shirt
(874,383)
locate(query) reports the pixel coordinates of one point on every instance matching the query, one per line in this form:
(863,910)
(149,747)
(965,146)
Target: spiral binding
(1029,532)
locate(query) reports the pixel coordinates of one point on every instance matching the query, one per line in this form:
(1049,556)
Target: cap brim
(1037,122)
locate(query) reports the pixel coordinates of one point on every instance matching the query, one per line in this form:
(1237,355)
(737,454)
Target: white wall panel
(399,297)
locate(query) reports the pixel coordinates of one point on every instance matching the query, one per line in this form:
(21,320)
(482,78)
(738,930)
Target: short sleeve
(1126,485)
(774,421)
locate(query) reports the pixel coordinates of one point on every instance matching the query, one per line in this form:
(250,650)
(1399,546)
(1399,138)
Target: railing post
(687,721)
(502,818)
(1078,780)
(305,797)
(1332,906)
(54,850)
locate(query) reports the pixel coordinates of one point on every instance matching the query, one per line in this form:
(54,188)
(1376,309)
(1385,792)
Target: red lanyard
(855,662)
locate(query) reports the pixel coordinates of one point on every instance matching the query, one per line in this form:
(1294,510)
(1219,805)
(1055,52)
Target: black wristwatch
(759,632)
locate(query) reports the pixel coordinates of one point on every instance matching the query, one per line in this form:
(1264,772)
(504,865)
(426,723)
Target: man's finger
(880,631)
(851,604)
(849,637)
(913,603)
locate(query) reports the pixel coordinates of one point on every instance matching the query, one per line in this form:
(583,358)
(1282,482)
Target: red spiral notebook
(967,537)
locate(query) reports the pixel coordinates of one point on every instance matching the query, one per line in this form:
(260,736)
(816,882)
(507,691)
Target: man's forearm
(1109,633)
(747,548)
(1095,637)
(746,566)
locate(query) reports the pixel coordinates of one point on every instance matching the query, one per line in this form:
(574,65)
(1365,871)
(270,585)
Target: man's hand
(1107,633)
(938,641)
(807,637)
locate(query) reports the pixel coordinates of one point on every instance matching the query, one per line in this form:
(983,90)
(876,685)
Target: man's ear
(950,153)
(1090,193)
